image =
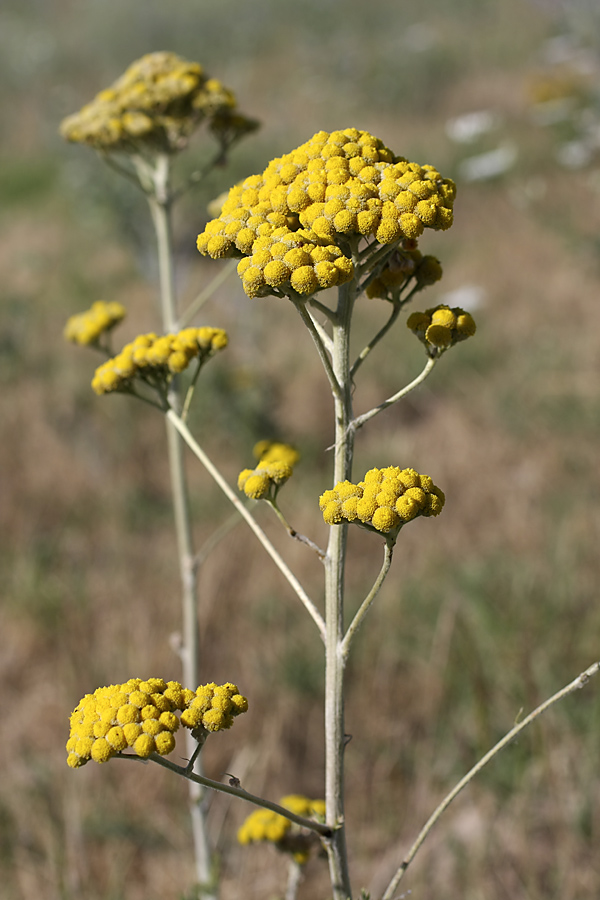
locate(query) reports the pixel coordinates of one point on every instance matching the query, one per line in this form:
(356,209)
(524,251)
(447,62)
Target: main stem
(334,607)
(160,201)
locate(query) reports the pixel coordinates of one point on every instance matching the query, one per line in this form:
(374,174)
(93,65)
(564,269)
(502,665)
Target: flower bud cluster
(159,358)
(140,715)
(441,327)
(87,327)
(386,499)
(265,825)
(214,707)
(276,463)
(292,222)
(403,265)
(155,104)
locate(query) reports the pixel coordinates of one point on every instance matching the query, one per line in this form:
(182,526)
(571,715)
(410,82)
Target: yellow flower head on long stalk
(157,358)
(292,223)
(155,105)
(276,463)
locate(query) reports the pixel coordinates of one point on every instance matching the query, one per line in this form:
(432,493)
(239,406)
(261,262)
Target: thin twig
(198,302)
(233,498)
(321,349)
(373,343)
(359,421)
(366,604)
(322,307)
(318,827)
(575,685)
(295,534)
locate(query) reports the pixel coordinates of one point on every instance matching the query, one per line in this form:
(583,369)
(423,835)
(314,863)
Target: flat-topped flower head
(292,224)
(384,501)
(441,327)
(265,825)
(156,359)
(88,327)
(156,104)
(140,716)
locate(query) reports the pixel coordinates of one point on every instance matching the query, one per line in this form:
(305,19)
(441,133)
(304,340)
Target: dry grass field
(488,609)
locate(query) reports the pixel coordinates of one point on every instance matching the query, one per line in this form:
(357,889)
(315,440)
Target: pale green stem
(373,343)
(317,827)
(336,386)
(322,332)
(334,603)
(359,421)
(292,531)
(366,604)
(160,202)
(294,879)
(205,295)
(575,685)
(262,537)
(322,307)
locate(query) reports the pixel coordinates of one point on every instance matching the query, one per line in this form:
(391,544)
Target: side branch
(373,343)
(366,604)
(300,305)
(205,295)
(575,685)
(359,421)
(318,827)
(234,499)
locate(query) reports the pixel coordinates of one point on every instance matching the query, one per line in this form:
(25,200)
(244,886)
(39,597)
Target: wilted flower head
(157,103)
(292,224)
(405,265)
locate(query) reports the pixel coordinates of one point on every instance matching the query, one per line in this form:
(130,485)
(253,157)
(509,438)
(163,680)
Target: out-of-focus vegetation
(485,613)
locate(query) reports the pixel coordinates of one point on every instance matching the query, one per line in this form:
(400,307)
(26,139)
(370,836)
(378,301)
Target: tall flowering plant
(340,216)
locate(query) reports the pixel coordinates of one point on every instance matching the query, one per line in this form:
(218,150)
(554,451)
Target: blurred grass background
(488,609)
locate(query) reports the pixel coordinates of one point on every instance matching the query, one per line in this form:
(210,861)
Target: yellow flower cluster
(400,268)
(158,358)
(265,825)
(214,707)
(276,463)
(441,327)
(88,326)
(293,222)
(157,103)
(141,715)
(274,451)
(384,501)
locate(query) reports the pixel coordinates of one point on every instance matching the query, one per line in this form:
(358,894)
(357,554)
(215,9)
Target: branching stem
(234,499)
(366,604)
(359,421)
(317,827)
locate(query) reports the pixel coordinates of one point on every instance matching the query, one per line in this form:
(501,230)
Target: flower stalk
(160,203)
